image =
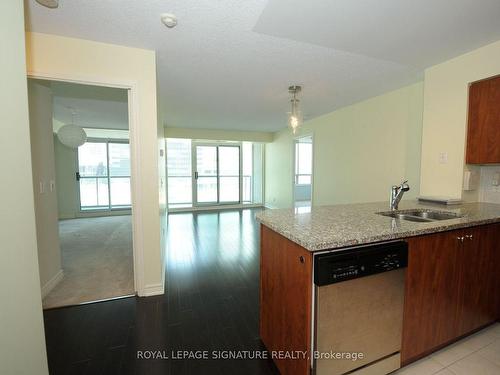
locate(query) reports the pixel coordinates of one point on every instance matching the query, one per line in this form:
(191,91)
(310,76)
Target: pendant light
(295,115)
(71,135)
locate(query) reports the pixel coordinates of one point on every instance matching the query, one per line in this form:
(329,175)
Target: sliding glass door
(217,178)
(206,175)
(104,175)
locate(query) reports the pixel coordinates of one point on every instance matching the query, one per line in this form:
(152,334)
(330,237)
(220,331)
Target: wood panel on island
(285,300)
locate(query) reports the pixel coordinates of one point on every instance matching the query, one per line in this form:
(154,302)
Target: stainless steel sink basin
(422,216)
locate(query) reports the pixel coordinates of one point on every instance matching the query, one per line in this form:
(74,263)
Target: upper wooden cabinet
(483,134)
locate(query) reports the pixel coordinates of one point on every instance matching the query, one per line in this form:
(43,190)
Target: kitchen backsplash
(488,192)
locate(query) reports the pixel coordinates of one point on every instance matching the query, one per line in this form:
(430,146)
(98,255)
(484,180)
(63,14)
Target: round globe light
(72,136)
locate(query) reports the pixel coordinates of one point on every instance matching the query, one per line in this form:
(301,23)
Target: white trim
(153,290)
(270,207)
(135,144)
(52,283)
(214,208)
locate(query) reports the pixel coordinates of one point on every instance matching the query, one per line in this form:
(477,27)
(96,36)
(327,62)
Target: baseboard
(214,208)
(270,207)
(51,284)
(152,290)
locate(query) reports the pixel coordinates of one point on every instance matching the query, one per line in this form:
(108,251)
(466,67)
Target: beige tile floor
(478,354)
(97,260)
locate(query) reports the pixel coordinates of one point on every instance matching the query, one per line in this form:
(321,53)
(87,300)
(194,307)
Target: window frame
(109,207)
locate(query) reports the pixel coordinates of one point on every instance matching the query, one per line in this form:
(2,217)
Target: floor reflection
(212,239)
(211,303)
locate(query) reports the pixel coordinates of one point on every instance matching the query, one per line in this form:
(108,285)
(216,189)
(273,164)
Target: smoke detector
(49,3)
(169,20)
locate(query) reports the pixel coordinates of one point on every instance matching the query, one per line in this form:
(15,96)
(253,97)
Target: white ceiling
(413,33)
(94,107)
(228,63)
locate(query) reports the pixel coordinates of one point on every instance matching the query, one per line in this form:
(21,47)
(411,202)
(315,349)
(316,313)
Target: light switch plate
(443,157)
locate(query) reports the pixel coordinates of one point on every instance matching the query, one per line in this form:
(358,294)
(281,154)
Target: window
(104,175)
(204,173)
(303,162)
(179,186)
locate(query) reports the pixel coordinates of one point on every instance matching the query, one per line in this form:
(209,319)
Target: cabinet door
(483,134)
(479,278)
(431,293)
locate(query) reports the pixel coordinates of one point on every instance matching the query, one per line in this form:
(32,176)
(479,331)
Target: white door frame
(134,131)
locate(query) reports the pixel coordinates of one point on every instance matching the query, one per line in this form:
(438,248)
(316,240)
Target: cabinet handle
(302,259)
(460,238)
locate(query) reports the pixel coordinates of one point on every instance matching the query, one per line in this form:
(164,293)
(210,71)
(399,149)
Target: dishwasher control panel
(357,262)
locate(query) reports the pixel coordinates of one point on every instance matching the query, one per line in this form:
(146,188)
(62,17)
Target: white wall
(100,63)
(488,192)
(22,343)
(278,188)
(445,118)
(218,135)
(257,172)
(65,161)
(44,181)
(359,151)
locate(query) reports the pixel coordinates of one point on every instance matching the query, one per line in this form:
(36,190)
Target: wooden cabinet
(483,134)
(285,300)
(452,288)
(431,293)
(479,278)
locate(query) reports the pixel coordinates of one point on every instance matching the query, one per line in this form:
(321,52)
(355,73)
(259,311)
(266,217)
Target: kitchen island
(450,288)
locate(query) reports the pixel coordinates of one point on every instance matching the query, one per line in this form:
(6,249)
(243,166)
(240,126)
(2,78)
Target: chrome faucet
(397,193)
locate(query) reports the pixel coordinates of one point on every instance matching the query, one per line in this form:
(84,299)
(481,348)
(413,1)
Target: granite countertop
(331,227)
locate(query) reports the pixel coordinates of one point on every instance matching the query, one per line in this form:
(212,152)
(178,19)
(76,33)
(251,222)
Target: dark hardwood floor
(211,304)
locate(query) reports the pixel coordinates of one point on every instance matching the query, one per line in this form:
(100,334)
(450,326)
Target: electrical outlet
(496,179)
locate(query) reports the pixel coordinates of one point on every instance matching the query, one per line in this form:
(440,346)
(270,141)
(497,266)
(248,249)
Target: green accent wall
(359,151)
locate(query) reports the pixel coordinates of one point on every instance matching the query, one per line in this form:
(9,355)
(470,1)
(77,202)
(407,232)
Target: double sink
(421,215)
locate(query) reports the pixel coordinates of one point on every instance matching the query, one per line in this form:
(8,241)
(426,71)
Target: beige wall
(22,344)
(218,135)
(278,169)
(65,160)
(44,181)
(86,61)
(359,151)
(445,118)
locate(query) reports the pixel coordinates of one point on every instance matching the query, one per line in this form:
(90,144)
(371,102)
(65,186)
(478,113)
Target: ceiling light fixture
(49,3)
(295,116)
(169,20)
(71,135)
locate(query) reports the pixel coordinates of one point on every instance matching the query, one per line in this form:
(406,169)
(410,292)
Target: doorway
(303,173)
(83,204)
(217,177)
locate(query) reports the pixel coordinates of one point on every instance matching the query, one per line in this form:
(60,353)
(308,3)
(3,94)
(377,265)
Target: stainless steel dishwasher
(359,296)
